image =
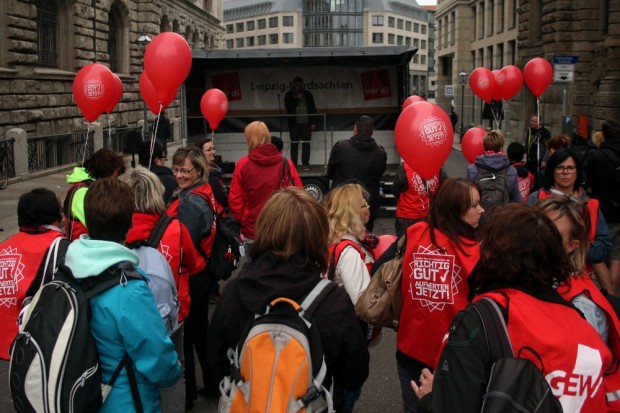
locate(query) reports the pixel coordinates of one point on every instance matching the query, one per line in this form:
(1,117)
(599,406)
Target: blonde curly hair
(343,211)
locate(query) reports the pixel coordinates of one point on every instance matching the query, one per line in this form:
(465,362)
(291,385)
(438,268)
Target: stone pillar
(20,150)
(175,125)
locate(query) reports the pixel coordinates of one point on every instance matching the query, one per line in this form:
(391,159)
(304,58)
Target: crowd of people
(540,238)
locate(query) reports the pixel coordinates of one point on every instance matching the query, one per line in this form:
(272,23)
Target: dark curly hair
(103,163)
(522,248)
(38,207)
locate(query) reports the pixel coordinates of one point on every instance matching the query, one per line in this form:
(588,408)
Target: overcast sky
(427,2)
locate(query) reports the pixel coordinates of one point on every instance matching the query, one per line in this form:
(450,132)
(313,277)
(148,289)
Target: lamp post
(143,41)
(463,76)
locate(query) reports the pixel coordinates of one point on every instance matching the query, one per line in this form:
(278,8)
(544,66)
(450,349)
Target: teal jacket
(125,319)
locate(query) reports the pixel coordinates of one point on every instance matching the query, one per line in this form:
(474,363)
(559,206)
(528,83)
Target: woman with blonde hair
(256,176)
(288,256)
(193,204)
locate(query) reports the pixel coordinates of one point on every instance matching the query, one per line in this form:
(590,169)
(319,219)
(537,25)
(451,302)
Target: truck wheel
(315,188)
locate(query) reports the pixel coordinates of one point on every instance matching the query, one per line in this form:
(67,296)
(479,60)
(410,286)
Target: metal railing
(7,152)
(116,139)
(56,150)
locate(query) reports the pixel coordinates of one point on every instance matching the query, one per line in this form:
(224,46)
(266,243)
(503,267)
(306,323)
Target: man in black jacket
(299,102)
(360,160)
(602,179)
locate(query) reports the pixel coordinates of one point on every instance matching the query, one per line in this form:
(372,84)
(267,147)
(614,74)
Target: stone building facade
(44,43)
(588,29)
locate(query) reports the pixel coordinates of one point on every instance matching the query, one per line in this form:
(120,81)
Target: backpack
(278,365)
(226,249)
(161,281)
(614,189)
(54,363)
(515,384)
(493,188)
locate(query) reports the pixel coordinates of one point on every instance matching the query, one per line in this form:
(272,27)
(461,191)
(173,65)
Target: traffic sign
(564,68)
(449,90)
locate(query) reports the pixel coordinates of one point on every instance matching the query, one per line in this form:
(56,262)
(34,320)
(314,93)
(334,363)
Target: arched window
(165,24)
(47,23)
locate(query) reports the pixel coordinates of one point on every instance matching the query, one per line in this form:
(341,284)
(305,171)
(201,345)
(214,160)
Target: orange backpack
(278,365)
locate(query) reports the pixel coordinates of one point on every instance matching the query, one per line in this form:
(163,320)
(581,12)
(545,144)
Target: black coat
(600,172)
(359,160)
(268,277)
(167,178)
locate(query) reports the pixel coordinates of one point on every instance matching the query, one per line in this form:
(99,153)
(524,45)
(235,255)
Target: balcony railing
(50,151)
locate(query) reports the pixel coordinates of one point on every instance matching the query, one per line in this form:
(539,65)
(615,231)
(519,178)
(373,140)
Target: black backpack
(515,384)
(493,188)
(54,363)
(226,249)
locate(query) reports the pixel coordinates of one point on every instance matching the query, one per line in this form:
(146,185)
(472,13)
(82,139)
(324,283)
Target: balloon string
(152,146)
(212,136)
(86,143)
(109,129)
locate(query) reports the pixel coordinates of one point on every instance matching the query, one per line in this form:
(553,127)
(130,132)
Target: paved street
(381,393)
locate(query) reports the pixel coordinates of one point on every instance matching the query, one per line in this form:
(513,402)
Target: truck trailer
(346,83)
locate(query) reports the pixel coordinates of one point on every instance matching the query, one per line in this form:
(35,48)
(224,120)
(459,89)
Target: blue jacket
(125,319)
(497,161)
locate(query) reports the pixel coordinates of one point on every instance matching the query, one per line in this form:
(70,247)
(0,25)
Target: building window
(391,38)
(249,41)
(229,44)
(273,22)
(400,24)
(491,18)
(391,21)
(261,40)
(287,21)
(230,28)
(273,38)
(377,38)
(239,42)
(262,24)
(423,59)
(249,25)
(423,44)
(333,23)
(500,16)
(115,40)
(408,26)
(377,20)
(47,21)
(239,27)
(399,40)
(423,29)
(416,42)
(416,27)
(416,58)
(287,38)
(408,41)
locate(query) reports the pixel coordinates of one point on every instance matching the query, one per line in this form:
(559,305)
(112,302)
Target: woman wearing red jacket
(256,176)
(440,256)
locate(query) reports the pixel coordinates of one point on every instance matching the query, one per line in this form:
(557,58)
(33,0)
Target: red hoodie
(256,176)
(177,246)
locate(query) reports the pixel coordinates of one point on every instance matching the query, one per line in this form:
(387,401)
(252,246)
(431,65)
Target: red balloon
(412,99)
(117,93)
(149,95)
(538,75)
(384,243)
(214,105)
(167,61)
(482,83)
(509,81)
(497,93)
(423,135)
(472,144)
(93,90)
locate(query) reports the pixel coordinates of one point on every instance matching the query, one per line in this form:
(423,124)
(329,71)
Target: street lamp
(463,76)
(143,41)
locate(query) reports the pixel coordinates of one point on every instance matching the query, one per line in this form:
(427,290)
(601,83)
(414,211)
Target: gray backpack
(493,189)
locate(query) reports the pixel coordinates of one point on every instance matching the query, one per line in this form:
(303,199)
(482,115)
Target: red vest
(177,247)
(583,284)
(20,258)
(206,193)
(73,227)
(592,210)
(574,357)
(414,202)
(335,251)
(434,288)
(525,184)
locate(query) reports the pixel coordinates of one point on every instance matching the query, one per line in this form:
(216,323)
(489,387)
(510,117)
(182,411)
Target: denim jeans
(410,400)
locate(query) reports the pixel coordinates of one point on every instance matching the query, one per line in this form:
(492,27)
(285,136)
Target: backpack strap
(495,329)
(158,230)
(311,298)
(118,274)
(337,252)
(286,172)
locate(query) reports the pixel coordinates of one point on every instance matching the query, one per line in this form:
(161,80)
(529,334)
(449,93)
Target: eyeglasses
(365,205)
(182,171)
(570,169)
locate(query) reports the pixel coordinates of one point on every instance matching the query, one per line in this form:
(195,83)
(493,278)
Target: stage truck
(346,83)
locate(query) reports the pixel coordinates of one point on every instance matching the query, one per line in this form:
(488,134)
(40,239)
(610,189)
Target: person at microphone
(299,102)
